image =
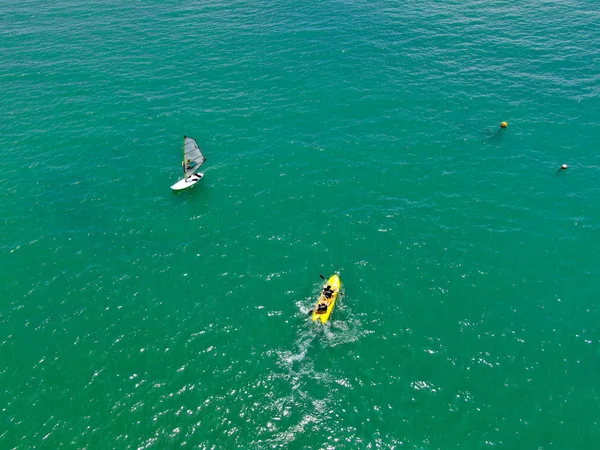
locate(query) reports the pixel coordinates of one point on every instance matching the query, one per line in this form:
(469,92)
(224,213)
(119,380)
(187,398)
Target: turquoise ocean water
(342,136)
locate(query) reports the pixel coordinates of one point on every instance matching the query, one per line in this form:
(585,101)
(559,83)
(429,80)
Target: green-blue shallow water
(342,136)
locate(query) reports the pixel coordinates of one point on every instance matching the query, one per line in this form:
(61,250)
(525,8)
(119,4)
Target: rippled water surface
(342,136)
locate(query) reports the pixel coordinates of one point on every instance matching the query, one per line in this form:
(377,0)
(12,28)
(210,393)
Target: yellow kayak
(327,299)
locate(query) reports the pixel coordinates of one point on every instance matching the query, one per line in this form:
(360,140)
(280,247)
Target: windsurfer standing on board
(189,164)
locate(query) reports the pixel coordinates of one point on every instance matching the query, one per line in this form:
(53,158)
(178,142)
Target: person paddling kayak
(327,299)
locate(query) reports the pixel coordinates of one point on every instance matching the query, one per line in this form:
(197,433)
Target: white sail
(192,156)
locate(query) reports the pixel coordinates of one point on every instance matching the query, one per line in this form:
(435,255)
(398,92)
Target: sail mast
(183,162)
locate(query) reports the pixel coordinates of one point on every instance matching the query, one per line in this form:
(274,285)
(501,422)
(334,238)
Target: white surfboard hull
(187,182)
